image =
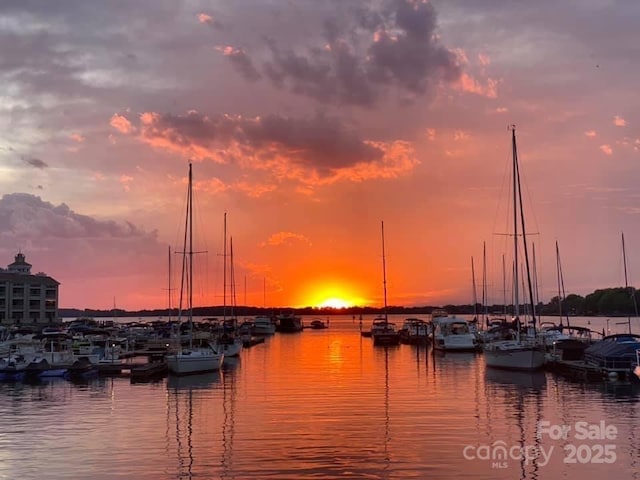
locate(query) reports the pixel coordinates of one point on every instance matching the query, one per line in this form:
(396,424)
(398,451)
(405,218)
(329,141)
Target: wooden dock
(580,370)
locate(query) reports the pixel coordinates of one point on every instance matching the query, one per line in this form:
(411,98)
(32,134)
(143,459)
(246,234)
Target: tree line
(616,301)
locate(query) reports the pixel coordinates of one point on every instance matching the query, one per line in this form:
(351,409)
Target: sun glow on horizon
(332,295)
(335,303)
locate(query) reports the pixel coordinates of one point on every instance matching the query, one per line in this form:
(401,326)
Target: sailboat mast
(504,288)
(232,279)
(559,283)
(514,158)
(384,274)
(224,270)
(190,207)
(485,300)
(524,232)
(536,291)
(475,293)
(169,283)
(626,283)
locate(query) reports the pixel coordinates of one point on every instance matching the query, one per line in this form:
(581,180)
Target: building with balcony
(26,298)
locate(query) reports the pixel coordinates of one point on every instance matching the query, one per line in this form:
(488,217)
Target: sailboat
(383,332)
(229,342)
(195,359)
(523,352)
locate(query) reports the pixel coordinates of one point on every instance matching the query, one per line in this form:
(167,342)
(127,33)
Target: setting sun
(331,294)
(335,303)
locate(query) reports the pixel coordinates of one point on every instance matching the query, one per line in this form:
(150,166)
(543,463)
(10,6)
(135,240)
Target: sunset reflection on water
(316,404)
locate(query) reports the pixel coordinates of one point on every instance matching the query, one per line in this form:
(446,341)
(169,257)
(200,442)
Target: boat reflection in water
(320,406)
(184,392)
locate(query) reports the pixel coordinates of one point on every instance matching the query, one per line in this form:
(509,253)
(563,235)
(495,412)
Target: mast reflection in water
(323,404)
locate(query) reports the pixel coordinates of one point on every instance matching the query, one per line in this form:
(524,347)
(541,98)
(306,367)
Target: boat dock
(580,370)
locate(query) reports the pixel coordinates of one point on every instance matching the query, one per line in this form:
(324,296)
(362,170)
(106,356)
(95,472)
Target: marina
(236,240)
(291,408)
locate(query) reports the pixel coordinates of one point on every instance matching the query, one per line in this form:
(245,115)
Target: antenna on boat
(384,274)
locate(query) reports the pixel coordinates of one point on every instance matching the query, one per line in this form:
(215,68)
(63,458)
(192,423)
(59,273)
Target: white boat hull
(194,361)
(514,355)
(453,343)
(230,349)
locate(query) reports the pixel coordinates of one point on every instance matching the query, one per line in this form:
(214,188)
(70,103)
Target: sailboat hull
(194,361)
(230,347)
(511,355)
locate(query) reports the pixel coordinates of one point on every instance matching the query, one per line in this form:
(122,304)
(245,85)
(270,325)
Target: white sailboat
(229,342)
(523,352)
(195,359)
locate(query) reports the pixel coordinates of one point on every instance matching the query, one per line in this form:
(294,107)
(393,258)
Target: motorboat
(415,331)
(452,334)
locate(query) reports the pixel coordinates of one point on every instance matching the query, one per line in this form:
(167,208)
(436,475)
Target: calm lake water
(325,404)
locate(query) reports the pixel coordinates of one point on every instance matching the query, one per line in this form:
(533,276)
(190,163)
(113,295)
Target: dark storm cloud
(364,51)
(319,142)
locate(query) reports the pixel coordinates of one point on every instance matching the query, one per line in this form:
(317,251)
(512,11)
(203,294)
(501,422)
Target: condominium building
(26,298)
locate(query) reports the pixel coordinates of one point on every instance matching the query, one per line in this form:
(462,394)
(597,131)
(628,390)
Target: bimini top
(620,346)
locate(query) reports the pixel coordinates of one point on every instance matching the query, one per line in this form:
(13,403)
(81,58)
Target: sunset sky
(309,123)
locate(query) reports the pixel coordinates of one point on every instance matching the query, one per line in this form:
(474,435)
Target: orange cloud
(120,123)
(76,137)
(228,50)
(315,151)
(619,121)
(468,84)
(204,18)
(606,149)
(211,186)
(285,238)
(590,133)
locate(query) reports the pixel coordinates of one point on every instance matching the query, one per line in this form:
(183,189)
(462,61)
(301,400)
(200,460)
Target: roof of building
(38,279)
(19,260)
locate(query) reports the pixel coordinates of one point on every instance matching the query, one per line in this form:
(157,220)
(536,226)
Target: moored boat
(289,323)
(263,325)
(452,334)
(194,359)
(415,331)
(384,332)
(318,324)
(524,352)
(614,356)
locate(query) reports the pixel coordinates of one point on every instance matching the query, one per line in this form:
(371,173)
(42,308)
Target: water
(321,404)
